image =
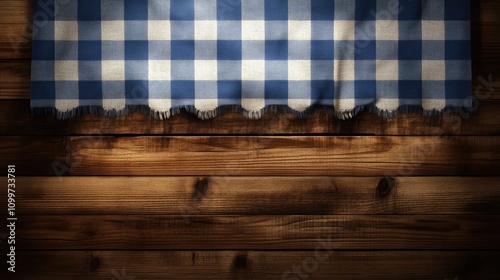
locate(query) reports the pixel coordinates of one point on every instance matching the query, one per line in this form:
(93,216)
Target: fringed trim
(256,114)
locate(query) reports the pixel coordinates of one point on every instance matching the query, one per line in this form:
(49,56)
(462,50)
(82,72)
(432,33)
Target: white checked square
(433,30)
(299,30)
(387,29)
(205,70)
(113,70)
(343,70)
(160,105)
(433,104)
(253,30)
(66,31)
(159,30)
(387,70)
(299,70)
(65,105)
(205,30)
(433,70)
(66,70)
(344,30)
(113,104)
(344,104)
(159,70)
(253,70)
(113,30)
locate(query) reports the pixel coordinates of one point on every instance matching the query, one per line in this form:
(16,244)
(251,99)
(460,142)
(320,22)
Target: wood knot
(200,189)
(94,264)
(385,186)
(240,262)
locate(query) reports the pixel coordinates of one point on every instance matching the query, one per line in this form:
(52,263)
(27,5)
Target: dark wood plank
(239,156)
(255,232)
(262,156)
(15,119)
(256,195)
(257,265)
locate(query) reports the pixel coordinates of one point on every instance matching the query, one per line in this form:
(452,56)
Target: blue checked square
(457,10)
(112,10)
(456,50)
(136,9)
(205,89)
(228,70)
(253,10)
(456,69)
(299,50)
(276,10)
(388,89)
(299,89)
(90,90)
(387,50)
(94,26)
(277,50)
(321,50)
(410,50)
(182,70)
(43,50)
(433,89)
(457,30)
(89,10)
(89,70)
(458,89)
(136,69)
(321,30)
(89,50)
(66,50)
(252,89)
(136,50)
(67,90)
(158,11)
(410,30)
(229,92)
(182,50)
(228,9)
(344,9)
(365,89)
(182,30)
(299,10)
(410,10)
(275,90)
(433,50)
(365,9)
(135,91)
(276,30)
(45,32)
(322,69)
(276,70)
(159,50)
(67,11)
(322,92)
(113,89)
(206,50)
(159,90)
(344,50)
(183,90)
(433,10)
(229,50)
(387,10)
(410,69)
(136,30)
(42,70)
(228,30)
(410,90)
(113,50)
(43,90)
(205,10)
(181,9)
(344,90)
(322,10)
(253,50)
(365,50)
(365,69)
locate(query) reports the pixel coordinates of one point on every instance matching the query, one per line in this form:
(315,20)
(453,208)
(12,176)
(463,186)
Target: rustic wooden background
(231,198)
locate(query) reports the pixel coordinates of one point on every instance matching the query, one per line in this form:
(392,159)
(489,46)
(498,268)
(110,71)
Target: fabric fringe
(257,114)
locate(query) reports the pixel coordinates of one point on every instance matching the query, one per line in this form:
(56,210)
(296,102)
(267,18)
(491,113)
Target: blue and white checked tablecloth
(113,56)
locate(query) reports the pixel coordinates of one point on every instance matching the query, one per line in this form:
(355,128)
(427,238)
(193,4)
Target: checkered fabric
(111,56)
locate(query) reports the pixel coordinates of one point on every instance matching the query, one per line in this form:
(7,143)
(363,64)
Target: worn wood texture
(257,232)
(16,119)
(127,265)
(257,195)
(241,156)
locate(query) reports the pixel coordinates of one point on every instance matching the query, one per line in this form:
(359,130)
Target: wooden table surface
(231,198)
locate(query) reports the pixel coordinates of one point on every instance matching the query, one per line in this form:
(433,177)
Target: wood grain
(256,232)
(256,196)
(196,265)
(16,119)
